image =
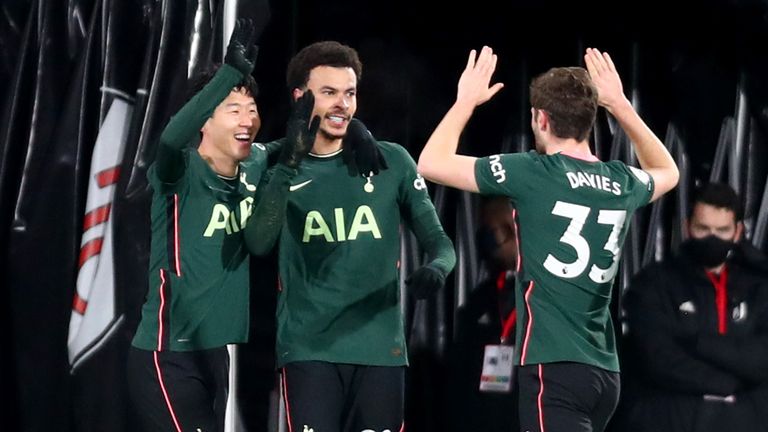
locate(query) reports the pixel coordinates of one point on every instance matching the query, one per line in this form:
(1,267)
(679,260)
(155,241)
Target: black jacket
(682,375)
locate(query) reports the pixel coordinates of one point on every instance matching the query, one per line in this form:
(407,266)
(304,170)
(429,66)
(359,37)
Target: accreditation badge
(497,369)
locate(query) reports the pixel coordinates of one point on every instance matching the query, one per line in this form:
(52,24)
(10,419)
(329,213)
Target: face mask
(710,251)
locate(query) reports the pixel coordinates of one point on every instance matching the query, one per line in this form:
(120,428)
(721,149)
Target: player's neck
(324,145)
(571,147)
(221,165)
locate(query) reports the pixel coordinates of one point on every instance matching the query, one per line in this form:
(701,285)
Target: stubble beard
(329,136)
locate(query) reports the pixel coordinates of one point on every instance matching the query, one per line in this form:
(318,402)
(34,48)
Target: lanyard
(508,323)
(721,297)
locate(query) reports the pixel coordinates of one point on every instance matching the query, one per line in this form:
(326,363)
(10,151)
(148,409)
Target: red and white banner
(94,317)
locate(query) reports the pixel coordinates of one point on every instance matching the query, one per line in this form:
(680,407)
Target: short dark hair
(568,95)
(325,53)
(199,80)
(719,195)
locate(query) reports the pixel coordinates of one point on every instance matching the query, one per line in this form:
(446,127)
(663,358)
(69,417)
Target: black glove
(361,153)
(425,282)
(241,52)
(299,138)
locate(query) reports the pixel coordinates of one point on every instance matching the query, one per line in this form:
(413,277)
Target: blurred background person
(487,317)
(698,324)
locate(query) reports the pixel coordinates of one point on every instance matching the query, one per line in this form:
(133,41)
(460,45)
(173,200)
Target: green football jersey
(339,251)
(572,217)
(198,271)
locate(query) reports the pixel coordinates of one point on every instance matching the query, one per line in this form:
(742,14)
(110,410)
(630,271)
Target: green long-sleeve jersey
(198,271)
(572,216)
(339,250)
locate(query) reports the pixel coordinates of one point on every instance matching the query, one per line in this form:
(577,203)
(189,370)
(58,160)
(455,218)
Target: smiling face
(335,91)
(227,135)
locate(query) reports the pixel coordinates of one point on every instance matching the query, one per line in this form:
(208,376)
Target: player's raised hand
(475,83)
(241,52)
(300,132)
(610,92)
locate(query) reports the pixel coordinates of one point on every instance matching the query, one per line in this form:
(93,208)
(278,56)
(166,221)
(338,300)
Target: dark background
(682,62)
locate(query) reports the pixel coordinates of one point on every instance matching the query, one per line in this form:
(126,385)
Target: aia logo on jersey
(335,229)
(229,220)
(419,183)
(497,169)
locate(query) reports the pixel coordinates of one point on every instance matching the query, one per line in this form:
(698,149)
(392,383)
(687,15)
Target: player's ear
(541,118)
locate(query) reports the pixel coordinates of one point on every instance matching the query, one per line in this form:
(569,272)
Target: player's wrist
(619,106)
(464,107)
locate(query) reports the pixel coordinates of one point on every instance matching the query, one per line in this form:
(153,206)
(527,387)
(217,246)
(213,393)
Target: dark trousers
(179,391)
(332,397)
(566,397)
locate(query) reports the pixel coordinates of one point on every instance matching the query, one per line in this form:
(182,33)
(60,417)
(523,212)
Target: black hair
(719,195)
(325,53)
(199,80)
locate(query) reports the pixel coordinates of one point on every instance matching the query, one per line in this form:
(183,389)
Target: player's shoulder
(260,153)
(636,173)
(520,159)
(517,158)
(391,147)
(394,152)
(531,155)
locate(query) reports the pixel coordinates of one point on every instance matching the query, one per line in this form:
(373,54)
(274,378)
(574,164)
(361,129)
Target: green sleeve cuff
(439,248)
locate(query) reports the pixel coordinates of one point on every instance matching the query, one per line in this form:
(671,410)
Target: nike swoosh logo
(299,186)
